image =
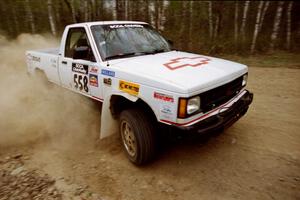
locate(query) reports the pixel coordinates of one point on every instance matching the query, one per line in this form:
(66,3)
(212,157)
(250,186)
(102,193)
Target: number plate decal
(80,77)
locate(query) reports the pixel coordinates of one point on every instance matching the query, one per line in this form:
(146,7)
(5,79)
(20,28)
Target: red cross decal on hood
(177,63)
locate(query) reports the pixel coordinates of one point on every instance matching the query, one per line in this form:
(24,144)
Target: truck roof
(107,23)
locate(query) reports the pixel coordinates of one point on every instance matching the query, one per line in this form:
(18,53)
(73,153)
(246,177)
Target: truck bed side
(45,60)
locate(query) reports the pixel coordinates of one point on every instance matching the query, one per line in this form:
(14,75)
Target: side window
(78,46)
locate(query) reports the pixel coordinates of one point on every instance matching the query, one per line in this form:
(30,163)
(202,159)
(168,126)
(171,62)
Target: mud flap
(109,125)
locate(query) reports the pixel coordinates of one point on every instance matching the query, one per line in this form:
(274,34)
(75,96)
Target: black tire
(143,130)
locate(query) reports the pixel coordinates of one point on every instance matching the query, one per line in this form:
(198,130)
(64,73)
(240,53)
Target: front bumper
(223,119)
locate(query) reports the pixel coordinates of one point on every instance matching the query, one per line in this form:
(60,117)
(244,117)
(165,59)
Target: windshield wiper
(123,55)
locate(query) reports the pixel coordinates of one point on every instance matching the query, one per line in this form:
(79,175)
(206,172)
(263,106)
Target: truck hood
(178,71)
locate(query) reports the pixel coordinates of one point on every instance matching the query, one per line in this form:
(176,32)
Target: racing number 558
(81,82)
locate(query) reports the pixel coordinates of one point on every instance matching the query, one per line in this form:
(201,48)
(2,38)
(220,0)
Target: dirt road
(256,158)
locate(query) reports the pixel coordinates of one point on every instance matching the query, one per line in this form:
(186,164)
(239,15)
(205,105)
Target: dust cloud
(31,110)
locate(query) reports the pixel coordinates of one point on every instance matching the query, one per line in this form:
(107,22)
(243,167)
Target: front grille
(220,95)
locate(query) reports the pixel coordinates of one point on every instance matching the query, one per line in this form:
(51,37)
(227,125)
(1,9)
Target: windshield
(125,40)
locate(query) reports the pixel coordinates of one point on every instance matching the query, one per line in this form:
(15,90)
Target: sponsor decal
(126,26)
(167,112)
(80,68)
(93,69)
(130,88)
(107,81)
(108,72)
(93,80)
(163,97)
(178,63)
(36,59)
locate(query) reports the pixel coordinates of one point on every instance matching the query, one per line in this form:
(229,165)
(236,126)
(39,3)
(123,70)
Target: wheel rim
(128,138)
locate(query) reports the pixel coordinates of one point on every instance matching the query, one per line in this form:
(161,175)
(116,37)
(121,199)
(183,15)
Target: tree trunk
(70,5)
(30,16)
(263,15)
(190,25)
(162,14)
(115,11)
(276,25)
(58,11)
(99,10)
(86,10)
(257,22)
(51,17)
(236,26)
(288,25)
(182,26)
(152,13)
(156,13)
(217,26)
(120,9)
(93,10)
(15,19)
(147,17)
(244,20)
(126,9)
(210,20)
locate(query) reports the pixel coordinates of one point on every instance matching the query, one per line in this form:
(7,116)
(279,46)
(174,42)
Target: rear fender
(32,66)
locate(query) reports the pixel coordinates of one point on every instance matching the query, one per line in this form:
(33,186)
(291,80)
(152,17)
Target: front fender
(109,125)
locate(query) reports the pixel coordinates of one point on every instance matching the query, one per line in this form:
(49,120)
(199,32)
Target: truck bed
(46,60)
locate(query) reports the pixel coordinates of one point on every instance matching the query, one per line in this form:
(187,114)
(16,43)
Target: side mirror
(81,53)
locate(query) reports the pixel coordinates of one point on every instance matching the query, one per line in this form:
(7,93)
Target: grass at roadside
(277,59)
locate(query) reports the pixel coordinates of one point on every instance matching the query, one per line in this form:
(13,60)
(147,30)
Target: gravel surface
(18,182)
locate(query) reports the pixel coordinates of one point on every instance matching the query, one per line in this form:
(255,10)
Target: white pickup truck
(143,82)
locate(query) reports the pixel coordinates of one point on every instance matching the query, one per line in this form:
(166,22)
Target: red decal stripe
(97,98)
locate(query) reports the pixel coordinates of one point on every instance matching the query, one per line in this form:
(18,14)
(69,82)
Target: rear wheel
(137,133)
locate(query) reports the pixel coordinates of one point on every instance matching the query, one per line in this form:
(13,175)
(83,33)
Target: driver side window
(78,46)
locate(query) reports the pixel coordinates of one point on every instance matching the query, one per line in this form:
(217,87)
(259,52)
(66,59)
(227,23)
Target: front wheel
(137,134)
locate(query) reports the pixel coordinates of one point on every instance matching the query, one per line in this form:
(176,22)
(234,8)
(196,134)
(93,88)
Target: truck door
(77,63)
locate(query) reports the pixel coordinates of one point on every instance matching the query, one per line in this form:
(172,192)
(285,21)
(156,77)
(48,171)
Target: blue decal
(108,73)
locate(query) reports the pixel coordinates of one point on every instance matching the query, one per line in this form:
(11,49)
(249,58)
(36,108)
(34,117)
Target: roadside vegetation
(276,59)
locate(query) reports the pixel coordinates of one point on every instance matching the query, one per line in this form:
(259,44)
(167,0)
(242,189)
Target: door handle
(64,62)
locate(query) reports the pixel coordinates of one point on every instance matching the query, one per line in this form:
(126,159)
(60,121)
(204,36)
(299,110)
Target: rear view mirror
(81,52)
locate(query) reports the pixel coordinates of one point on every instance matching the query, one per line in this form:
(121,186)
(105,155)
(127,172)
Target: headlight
(245,78)
(188,106)
(193,105)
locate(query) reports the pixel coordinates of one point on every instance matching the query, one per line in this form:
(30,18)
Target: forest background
(207,27)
